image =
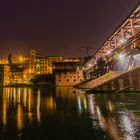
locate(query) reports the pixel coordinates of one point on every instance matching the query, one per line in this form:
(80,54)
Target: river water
(68,114)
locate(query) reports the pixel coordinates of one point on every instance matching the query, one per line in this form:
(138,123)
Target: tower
(10,59)
(32,52)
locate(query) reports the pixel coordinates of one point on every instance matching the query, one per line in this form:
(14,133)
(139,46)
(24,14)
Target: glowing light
(85,103)
(122,56)
(21,59)
(83,68)
(89,65)
(125,40)
(38,66)
(122,41)
(77,69)
(109,52)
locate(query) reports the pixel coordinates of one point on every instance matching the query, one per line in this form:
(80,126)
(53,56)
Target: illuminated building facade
(4,75)
(17,74)
(3,61)
(66,74)
(38,64)
(51,60)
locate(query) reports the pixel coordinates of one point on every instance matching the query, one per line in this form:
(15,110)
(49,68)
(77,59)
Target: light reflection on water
(66,112)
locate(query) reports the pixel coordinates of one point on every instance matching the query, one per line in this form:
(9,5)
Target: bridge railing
(125,62)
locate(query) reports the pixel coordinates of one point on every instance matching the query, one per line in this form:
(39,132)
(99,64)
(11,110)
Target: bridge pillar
(131,84)
(104,87)
(139,81)
(112,86)
(121,84)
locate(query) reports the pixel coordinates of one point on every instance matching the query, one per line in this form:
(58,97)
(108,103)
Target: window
(67,80)
(74,80)
(59,80)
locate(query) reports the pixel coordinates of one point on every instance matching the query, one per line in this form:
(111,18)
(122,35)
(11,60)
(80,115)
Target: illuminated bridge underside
(125,81)
(128,80)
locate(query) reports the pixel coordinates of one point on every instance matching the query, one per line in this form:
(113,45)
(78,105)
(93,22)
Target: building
(51,60)
(17,74)
(3,61)
(66,74)
(38,64)
(4,74)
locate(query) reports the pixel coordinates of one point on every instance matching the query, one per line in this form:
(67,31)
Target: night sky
(59,27)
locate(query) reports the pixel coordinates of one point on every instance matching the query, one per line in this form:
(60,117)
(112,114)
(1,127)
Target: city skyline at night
(70,70)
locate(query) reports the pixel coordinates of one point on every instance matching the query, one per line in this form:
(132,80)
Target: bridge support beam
(121,84)
(112,85)
(139,82)
(104,87)
(131,84)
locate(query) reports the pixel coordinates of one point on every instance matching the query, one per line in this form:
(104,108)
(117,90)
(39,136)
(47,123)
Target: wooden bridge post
(112,86)
(138,80)
(130,80)
(121,84)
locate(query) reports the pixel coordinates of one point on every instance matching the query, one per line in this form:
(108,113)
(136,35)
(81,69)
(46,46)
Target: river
(68,114)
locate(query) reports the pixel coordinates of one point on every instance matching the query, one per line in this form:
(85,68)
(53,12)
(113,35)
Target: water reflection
(116,120)
(19,117)
(101,114)
(4,116)
(70,95)
(67,110)
(38,107)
